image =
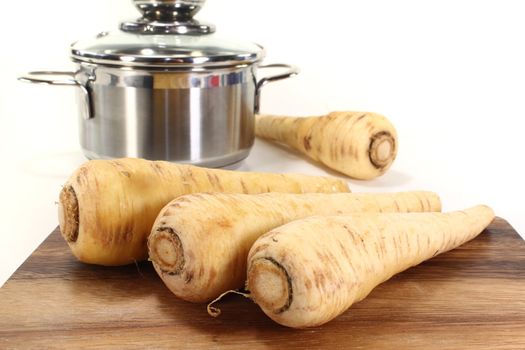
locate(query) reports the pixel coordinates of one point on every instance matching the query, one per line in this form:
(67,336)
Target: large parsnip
(107,207)
(199,242)
(309,271)
(362,145)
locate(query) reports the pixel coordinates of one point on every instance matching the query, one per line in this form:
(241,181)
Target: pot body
(199,117)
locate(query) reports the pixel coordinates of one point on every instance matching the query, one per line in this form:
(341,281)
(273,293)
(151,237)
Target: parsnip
(309,271)
(362,145)
(107,207)
(199,243)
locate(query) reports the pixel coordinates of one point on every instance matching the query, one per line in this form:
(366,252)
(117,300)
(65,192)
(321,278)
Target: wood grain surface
(469,298)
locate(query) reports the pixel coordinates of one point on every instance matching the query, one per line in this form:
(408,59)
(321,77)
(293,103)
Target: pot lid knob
(167,17)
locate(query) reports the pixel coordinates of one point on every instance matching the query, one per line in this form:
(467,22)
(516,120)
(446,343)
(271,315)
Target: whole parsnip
(107,207)
(309,271)
(362,145)
(199,242)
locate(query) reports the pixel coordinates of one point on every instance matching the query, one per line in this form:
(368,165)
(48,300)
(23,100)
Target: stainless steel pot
(166,87)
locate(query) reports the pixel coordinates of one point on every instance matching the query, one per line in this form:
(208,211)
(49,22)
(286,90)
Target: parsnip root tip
(270,286)
(68,214)
(215,311)
(382,149)
(166,251)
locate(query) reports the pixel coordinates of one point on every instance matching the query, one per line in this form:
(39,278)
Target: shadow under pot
(166,88)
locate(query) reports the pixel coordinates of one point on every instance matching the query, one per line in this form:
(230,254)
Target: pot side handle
(60,78)
(290,71)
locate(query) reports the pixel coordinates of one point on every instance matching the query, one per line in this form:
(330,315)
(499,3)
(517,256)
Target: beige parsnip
(199,242)
(309,271)
(107,207)
(362,145)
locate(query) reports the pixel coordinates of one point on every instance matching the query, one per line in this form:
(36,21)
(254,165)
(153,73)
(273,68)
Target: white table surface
(450,75)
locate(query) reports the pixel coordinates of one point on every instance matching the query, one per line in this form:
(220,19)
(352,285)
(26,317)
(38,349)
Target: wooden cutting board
(469,298)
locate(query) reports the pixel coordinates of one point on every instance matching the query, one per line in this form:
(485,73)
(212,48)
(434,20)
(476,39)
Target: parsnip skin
(200,242)
(107,207)
(309,271)
(362,145)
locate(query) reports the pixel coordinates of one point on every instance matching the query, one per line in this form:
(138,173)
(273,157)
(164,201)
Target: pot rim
(173,63)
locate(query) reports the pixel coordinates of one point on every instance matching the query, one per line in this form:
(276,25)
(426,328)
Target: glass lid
(166,36)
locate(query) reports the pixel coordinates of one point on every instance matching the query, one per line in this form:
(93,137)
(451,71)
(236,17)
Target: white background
(449,74)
